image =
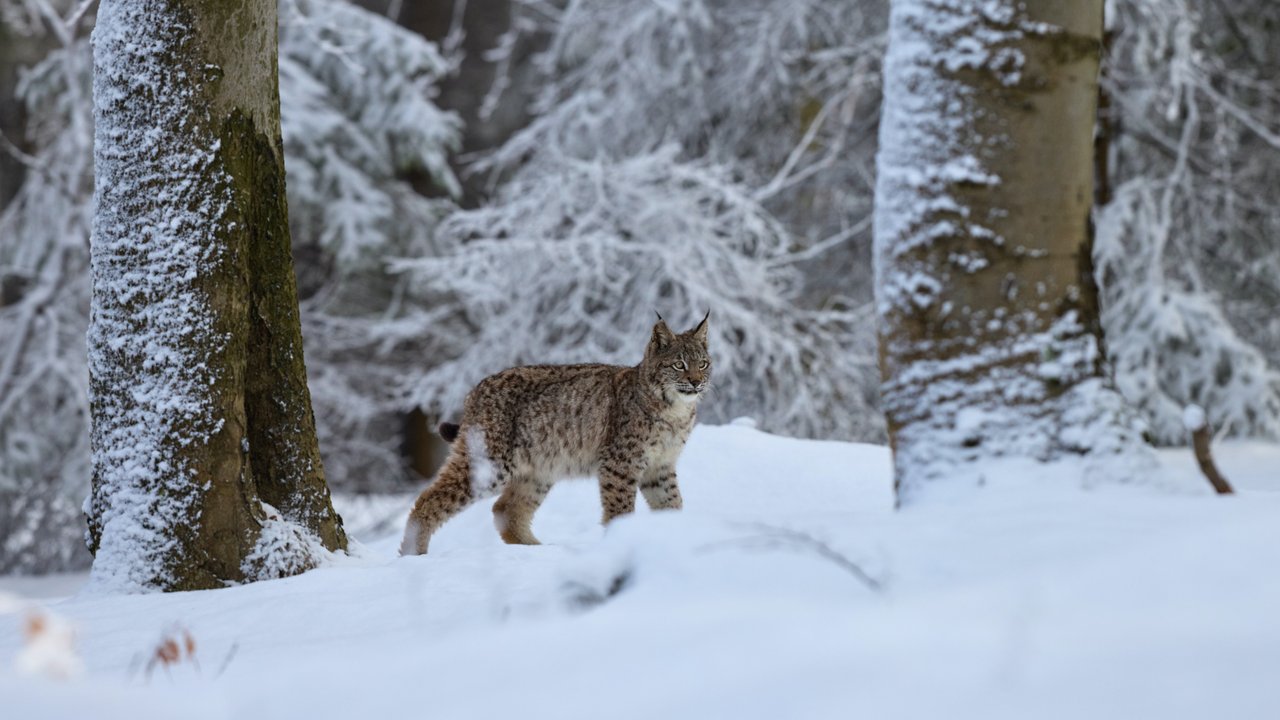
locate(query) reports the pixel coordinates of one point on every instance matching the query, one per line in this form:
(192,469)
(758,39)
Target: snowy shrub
(1172,347)
(1186,253)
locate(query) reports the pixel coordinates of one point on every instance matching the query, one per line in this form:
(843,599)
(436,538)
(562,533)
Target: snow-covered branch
(1185,252)
(570,261)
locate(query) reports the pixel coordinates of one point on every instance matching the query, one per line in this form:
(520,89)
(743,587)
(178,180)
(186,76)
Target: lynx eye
(680,366)
(704,365)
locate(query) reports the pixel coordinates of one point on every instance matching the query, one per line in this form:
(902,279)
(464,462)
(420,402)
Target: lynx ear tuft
(700,332)
(662,335)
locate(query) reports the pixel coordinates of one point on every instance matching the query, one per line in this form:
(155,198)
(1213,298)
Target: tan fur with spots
(525,428)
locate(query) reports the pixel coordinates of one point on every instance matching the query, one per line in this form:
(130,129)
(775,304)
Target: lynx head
(678,365)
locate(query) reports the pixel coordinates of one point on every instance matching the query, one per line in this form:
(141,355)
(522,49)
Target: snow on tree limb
(1171,345)
(687,158)
(569,263)
(1185,256)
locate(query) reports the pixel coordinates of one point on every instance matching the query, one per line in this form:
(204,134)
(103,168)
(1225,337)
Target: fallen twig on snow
(778,535)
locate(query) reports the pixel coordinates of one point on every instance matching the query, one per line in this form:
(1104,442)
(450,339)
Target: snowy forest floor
(1030,599)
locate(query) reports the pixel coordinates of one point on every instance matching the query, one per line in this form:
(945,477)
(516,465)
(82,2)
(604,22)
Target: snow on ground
(1029,598)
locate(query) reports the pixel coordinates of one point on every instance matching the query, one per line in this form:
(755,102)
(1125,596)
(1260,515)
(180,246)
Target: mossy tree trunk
(989,323)
(201,412)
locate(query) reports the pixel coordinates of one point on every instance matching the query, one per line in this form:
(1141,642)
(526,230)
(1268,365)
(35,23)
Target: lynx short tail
(449,432)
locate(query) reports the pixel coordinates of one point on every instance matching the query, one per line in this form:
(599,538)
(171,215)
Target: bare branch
(1201,435)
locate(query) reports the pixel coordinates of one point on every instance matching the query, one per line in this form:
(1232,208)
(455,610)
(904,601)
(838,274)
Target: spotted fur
(525,428)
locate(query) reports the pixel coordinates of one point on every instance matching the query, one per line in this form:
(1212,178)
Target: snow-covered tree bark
(989,330)
(202,420)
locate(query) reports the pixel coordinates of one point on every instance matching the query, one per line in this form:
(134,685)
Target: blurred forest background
(475,184)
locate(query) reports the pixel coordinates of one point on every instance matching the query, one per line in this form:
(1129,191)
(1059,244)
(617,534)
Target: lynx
(525,428)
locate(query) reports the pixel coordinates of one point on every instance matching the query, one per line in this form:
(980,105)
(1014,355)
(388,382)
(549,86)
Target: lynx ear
(662,335)
(700,332)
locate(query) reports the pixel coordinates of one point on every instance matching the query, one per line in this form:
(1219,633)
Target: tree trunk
(199,398)
(989,332)
(12,121)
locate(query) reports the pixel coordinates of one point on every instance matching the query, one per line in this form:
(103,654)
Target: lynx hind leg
(661,491)
(450,493)
(513,512)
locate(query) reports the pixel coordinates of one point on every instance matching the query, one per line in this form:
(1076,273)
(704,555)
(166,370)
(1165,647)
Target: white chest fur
(669,435)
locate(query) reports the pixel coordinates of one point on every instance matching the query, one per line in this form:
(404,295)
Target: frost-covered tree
(691,158)
(206,467)
(44,301)
(358,124)
(988,315)
(1186,252)
(360,128)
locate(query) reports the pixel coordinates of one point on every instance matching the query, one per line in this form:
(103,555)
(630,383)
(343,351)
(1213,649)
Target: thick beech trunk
(200,405)
(990,339)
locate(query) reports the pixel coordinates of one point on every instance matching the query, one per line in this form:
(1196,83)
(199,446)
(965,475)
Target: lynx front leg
(660,489)
(617,492)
